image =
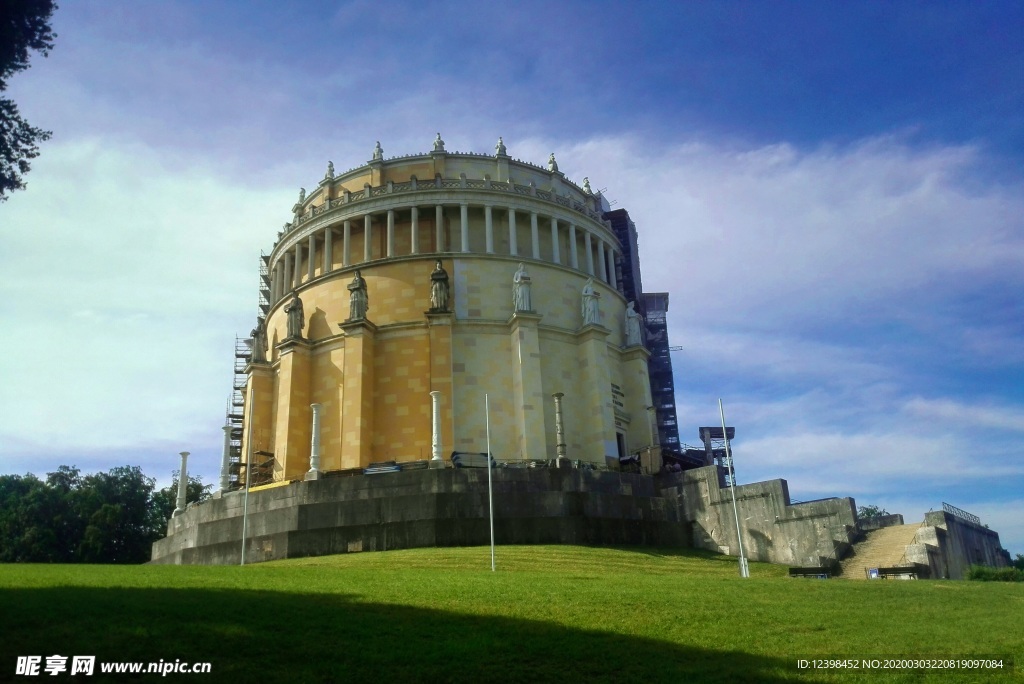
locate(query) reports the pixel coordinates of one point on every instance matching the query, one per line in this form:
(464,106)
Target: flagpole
(490,489)
(744,568)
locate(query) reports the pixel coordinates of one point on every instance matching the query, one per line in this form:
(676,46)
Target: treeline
(111,517)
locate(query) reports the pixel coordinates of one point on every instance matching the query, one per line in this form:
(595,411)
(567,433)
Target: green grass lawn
(550,613)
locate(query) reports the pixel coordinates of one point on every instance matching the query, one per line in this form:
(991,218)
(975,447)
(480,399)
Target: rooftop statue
(438,144)
(378,152)
(552,164)
(330,171)
(586,186)
(499,149)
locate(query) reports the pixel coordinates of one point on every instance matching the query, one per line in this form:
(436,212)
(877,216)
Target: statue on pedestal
(330,171)
(296,318)
(552,164)
(438,144)
(499,149)
(590,309)
(521,290)
(259,342)
(358,300)
(378,152)
(440,291)
(633,321)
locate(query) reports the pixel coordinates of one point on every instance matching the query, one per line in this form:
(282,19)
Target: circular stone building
(407,289)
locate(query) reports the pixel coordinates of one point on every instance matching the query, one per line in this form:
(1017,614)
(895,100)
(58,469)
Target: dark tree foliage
(24,27)
(111,517)
(871,512)
(1018,562)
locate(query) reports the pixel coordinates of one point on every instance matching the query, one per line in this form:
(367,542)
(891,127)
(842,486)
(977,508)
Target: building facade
(434,280)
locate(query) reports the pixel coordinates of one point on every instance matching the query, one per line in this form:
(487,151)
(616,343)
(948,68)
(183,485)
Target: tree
(1018,562)
(24,26)
(871,512)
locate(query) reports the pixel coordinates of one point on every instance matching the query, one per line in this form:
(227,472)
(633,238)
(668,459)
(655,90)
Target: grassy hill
(550,613)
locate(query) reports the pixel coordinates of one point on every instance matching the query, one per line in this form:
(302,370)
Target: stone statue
(378,152)
(438,144)
(330,171)
(633,320)
(440,292)
(590,310)
(586,186)
(259,342)
(358,301)
(499,149)
(296,319)
(552,164)
(302,195)
(521,290)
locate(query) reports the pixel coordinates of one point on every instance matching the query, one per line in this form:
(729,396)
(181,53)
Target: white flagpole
(490,489)
(744,568)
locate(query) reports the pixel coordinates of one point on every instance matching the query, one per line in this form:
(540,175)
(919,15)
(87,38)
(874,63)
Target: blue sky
(830,192)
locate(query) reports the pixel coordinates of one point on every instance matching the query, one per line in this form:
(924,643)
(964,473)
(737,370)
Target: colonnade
(598,257)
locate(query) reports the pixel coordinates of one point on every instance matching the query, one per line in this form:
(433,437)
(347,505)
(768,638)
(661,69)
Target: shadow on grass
(269,636)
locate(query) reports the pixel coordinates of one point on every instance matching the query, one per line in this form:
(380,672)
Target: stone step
(883,548)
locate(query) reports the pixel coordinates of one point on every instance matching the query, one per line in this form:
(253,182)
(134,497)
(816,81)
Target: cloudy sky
(832,194)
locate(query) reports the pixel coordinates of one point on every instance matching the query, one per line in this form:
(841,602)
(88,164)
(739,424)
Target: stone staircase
(883,548)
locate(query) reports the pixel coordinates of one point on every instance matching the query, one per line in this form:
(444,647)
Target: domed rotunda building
(405,290)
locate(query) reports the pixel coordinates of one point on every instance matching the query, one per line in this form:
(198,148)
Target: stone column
(439,227)
(312,257)
(574,259)
(391,233)
(555,255)
(612,280)
(275,282)
(367,237)
(534,236)
(314,444)
(488,229)
(346,242)
(601,272)
(287,283)
(328,251)
(513,248)
(225,461)
(464,226)
(298,264)
(435,430)
(589,251)
(559,431)
(415,231)
(182,486)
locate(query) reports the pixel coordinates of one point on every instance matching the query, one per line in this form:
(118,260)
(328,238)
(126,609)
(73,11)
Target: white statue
(438,144)
(586,186)
(499,149)
(552,164)
(330,171)
(633,320)
(302,195)
(378,152)
(440,291)
(590,310)
(521,290)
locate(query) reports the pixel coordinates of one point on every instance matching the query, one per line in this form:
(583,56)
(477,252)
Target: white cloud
(967,415)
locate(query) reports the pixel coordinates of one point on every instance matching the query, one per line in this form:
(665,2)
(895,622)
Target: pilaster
(439,327)
(357,398)
(291,429)
(599,419)
(527,386)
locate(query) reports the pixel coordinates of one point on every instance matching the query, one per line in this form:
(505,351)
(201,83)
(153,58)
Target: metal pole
(490,489)
(248,481)
(744,568)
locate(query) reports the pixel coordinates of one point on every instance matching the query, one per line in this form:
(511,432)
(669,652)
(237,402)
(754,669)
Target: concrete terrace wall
(427,508)
(950,545)
(811,534)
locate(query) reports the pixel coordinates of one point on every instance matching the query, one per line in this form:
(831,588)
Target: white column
(512,246)
(298,264)
(328,251)
(287,283)
(488,229)
(346,239)
(314,447)
(367,237)
(555,255)
(391,233)
(435,435)
(464,226)
(611,268)
(182,486)
(312,256)
(534,237)
(574,259)
(225,461)
(601,263)
(590,253)
(559,430)
(415,231)
(439,227)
